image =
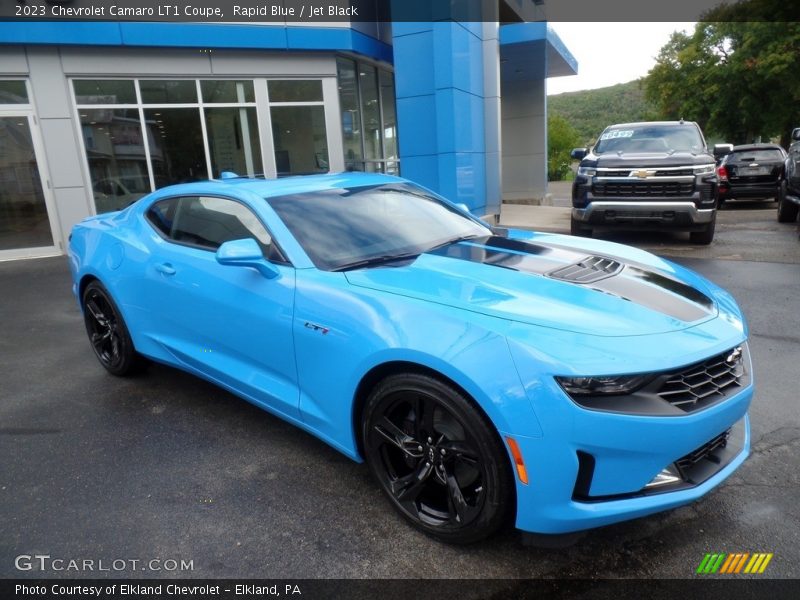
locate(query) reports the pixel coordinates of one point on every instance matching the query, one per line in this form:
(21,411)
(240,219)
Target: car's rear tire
(706,236)
(787,211)
(437,458)
(576,228)
(108,334)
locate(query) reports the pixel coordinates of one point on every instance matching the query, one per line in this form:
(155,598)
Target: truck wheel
(575,228)
(705,236)
(787,211)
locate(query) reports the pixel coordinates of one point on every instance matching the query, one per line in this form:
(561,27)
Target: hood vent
(589,270)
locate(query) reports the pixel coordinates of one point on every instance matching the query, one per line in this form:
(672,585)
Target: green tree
(738,80)
(561,139)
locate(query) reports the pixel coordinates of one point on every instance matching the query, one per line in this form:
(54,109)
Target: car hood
(561,282)
(647,159)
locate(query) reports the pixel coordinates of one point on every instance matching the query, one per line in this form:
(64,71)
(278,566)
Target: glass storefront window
(23,213)
(104,91)
(158,91)
(295,90)
(115,152)
(389,115)
(214,91)
(369,117)
(176,145)
(370,110)
(301,144)
(351,115)
(13,92)
(233,141)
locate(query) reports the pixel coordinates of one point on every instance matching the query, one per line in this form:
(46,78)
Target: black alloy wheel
(107,332)
(437,458)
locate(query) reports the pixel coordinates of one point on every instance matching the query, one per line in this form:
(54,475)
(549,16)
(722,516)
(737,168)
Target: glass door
(27,220)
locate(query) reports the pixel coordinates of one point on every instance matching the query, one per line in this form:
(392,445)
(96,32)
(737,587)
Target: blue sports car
(486,376)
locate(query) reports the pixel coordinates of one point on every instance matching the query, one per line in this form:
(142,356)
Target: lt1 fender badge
(315,327)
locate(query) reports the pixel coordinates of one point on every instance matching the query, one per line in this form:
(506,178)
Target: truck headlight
(704,169)
(587,171)
(603,385)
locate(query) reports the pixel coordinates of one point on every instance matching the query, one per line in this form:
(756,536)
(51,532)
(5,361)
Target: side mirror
(579,153)
(721,150)
(796,134)
(246,253)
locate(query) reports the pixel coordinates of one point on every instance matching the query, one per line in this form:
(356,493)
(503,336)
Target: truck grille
(702,383)
(642,188)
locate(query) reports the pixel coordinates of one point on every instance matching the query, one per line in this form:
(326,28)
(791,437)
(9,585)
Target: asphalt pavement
(165,466)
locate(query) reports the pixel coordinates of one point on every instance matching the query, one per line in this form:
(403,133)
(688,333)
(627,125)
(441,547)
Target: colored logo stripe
(734,563)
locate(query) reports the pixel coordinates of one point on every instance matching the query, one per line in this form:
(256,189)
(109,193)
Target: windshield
(650,138)
(768,154)
(341,227)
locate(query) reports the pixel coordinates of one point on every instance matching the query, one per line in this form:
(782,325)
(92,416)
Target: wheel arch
(383,370)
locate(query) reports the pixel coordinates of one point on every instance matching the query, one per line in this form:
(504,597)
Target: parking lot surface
(166,466)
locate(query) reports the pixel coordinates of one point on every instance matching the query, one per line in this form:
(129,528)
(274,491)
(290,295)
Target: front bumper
(748,190)
(627,452)
(662,213)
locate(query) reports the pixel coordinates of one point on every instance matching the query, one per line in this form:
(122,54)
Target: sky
(609,53)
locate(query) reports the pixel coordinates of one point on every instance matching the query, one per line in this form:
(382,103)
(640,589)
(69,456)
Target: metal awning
(531,51)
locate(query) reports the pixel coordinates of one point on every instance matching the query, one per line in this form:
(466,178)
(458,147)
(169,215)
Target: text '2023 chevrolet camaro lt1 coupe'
(485,376)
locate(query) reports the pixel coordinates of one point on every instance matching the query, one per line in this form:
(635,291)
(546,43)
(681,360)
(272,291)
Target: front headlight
(704,169)
(603,386)
(587,171)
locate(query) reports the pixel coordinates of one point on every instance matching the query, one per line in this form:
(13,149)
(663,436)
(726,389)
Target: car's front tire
(108,334)
(437,458)
(787,211)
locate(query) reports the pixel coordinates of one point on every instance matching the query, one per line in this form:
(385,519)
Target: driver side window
(207,222)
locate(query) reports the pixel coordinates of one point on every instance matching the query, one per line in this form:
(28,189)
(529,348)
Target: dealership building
(95,114)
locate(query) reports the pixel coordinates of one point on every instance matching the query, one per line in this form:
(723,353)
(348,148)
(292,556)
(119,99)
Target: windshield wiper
(377,260)
(455,240)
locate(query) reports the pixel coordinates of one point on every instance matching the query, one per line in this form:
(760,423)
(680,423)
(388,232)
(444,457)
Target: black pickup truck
(647,176)
(789,191)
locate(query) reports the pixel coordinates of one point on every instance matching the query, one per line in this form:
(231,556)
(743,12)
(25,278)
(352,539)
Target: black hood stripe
(634,283)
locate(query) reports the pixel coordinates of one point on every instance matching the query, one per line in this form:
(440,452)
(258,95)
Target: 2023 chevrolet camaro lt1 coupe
(485,376)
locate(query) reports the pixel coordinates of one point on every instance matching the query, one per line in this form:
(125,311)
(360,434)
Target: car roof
(763,146)
(291,185)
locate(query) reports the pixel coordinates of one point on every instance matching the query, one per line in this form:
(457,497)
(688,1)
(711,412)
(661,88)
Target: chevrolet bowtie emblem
(734,356)
(642,174)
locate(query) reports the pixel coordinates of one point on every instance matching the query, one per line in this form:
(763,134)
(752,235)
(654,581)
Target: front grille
(642,188)
(702,383)
(589,270)
(675,173)
(706,451)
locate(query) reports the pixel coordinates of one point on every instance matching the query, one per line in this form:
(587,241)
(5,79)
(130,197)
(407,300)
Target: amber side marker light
(518,462)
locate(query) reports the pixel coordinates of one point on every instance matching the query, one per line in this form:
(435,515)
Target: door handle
(166,268)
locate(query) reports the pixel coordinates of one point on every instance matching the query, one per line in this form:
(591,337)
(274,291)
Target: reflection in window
(23,213)
(295,90)
(168,92)
(369,121)
(301,144)
(233,141)
(104,91)
(116,156)
(351,115)
(13,92)
(176,145)
(227,91)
